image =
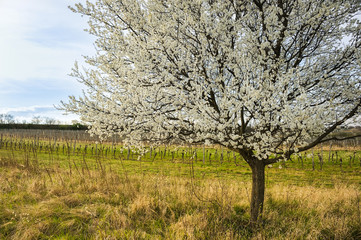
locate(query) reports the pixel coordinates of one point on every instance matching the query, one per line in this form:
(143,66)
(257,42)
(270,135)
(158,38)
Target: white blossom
(266,80)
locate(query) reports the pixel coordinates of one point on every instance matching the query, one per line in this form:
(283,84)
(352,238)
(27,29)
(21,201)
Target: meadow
(66,185)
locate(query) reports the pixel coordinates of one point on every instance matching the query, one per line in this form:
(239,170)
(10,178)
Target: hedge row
(44,126)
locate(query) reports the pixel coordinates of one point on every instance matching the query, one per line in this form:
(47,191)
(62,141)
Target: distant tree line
(10,119)
(6,118)
(7,121)
(76,126)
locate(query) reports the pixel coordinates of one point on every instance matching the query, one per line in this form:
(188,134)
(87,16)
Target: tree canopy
(266,78)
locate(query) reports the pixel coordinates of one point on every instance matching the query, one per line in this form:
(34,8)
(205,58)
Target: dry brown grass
(40,204)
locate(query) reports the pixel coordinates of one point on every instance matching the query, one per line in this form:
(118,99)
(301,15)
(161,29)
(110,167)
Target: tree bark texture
(258,189)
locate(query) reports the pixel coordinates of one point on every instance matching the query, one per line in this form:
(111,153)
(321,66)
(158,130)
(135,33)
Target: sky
(40,41)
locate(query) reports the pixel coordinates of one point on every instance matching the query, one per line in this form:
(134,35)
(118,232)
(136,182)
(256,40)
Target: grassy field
(82,190)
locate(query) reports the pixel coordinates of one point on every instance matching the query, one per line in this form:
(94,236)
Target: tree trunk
(258,188)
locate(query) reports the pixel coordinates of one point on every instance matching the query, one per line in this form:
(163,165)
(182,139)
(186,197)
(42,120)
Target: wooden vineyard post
(204,154)
(329,152)
(341,164)
(336,156)
(235,158)
(320,157)
(113,142)
(221,158)
(313,160)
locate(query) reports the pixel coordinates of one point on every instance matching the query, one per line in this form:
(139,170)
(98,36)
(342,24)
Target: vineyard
(65,183)
(64,145)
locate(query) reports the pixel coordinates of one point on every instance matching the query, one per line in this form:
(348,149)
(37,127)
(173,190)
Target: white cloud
(23,109)
(40,40)
(27,113)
